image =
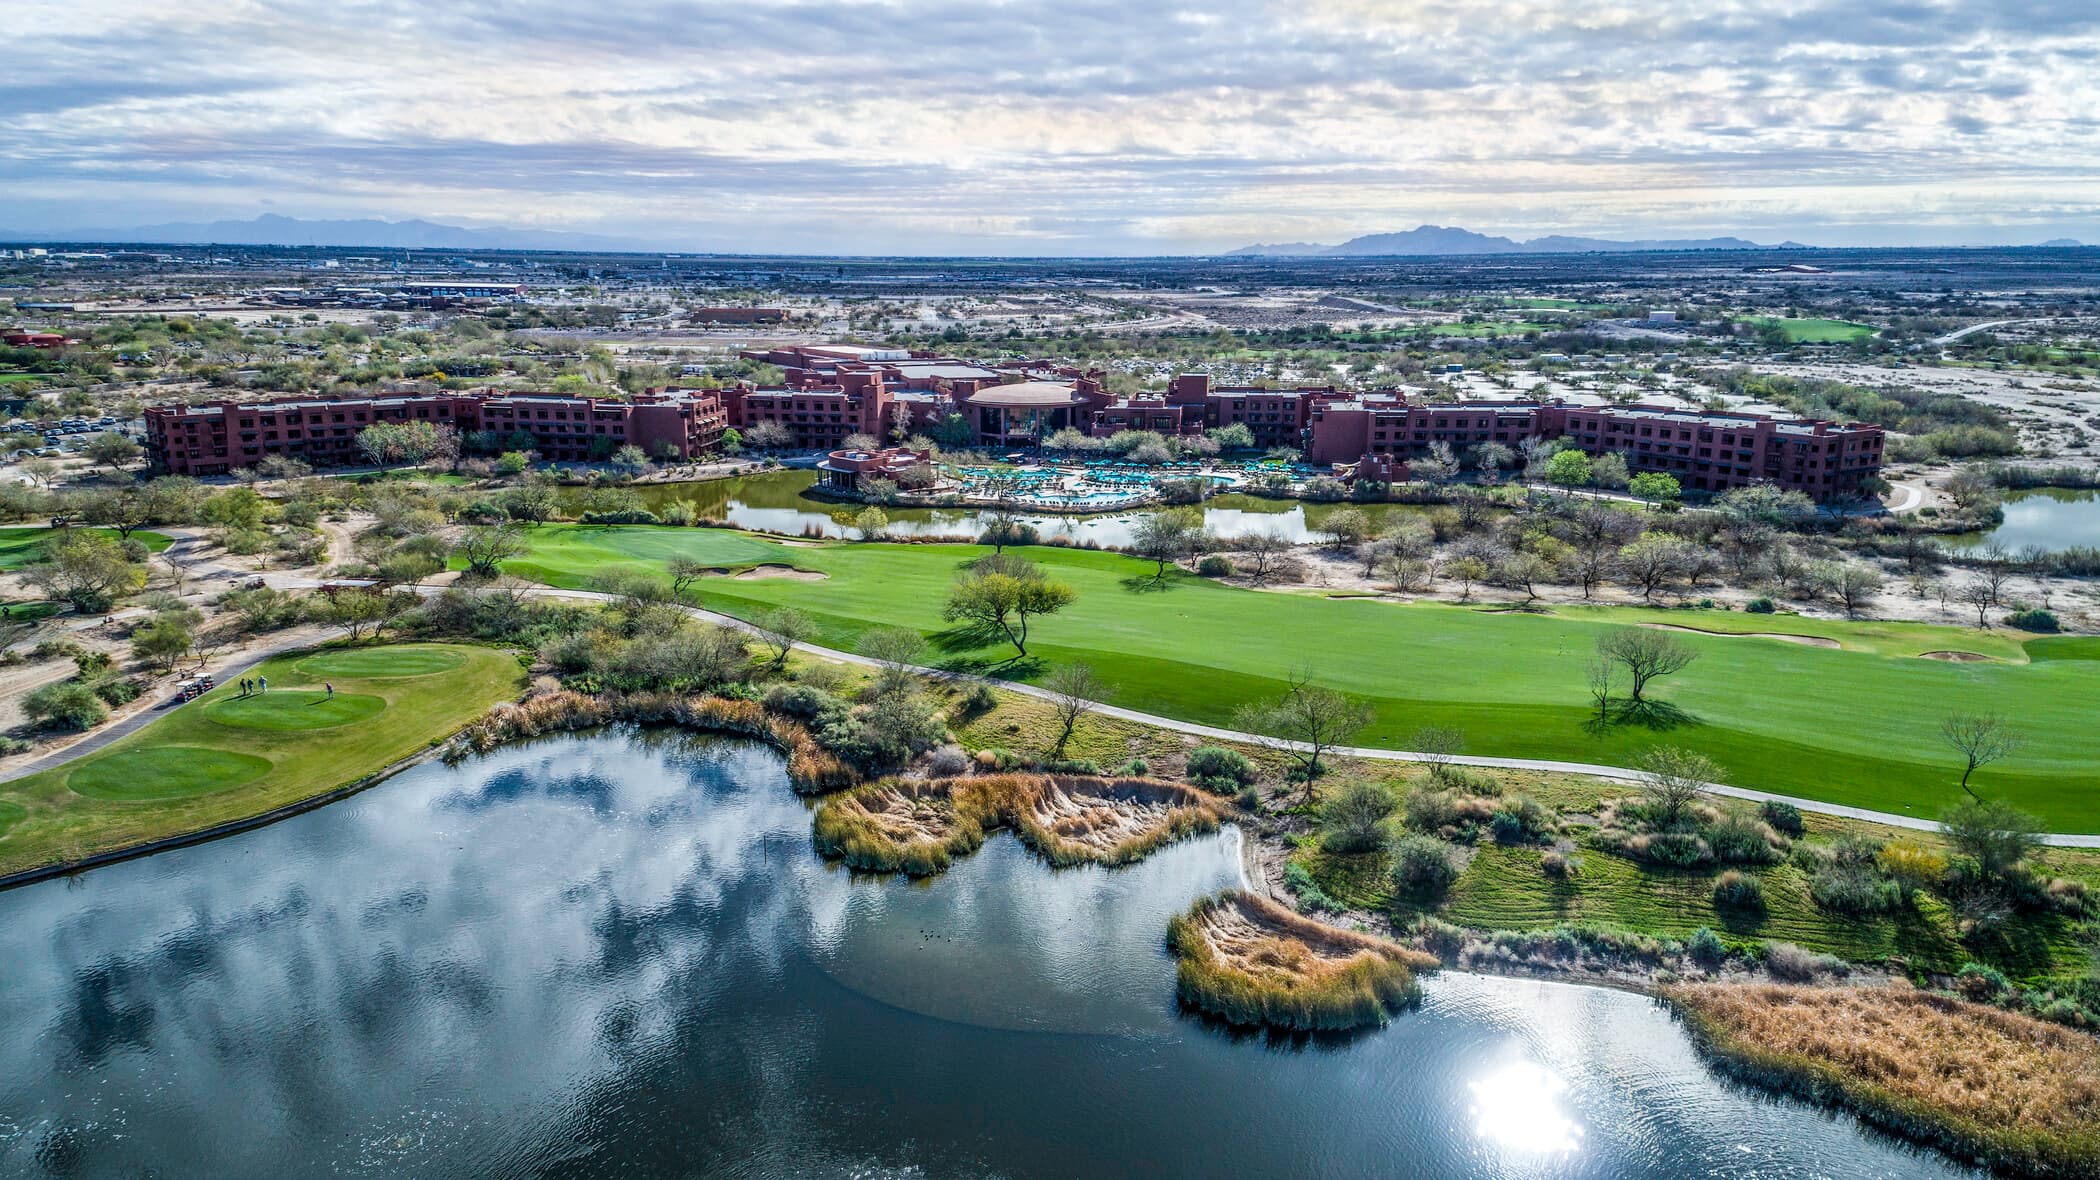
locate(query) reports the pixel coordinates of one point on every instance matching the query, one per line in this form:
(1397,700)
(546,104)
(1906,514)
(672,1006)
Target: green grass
(1816,331)
(389,662)
(10,815)
(1857,725)
(289,711)
(25,546)
(1503,888)
(165,772)
(188,771)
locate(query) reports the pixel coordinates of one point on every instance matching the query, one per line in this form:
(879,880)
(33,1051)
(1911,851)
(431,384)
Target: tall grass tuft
(1250,961)
(2018,1094)
(918,827)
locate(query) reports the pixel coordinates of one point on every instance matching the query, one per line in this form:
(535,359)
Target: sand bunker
(1957,657)
(1803,640)
(1252,961)
(779,571)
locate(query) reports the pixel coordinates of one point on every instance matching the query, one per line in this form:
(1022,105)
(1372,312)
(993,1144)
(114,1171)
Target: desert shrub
(803,702)
(1354,819)
(1423,868)
(1738,840)
(117,690)
(947,762)
(1441,938)
(1982,983)
(1854,890)
(1676,849)
(1759,606)
(1785,818)
(1521,819)
(979,700)
(1472,782)
(68,704)
(1218,768)
(1135,768)
(1739,891)
(1911,863)
(1705,948)
(92,662)
(1307,891)
(1215,565)
(1789,962)
(2034,619)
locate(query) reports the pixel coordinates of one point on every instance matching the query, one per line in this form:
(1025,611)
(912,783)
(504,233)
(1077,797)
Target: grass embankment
(918,827)
(226,758)
(1766,710)
(25,546)
(1250,961)
(1507,888)
(2017,1093)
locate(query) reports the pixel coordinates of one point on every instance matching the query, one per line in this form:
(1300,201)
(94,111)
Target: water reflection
(1517,1107)
(779,502)
(2054,519)
(616,954)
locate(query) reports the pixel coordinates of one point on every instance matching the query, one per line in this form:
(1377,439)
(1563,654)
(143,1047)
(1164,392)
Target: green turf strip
(293,710)
(383,662)
(165,772)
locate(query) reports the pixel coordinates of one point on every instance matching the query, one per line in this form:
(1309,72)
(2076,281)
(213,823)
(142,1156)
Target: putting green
(286,710)
(382,661)
(10,815)
(165,772)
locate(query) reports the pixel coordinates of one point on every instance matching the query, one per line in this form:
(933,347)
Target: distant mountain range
(1438,240)
(270,229)
(2061,244)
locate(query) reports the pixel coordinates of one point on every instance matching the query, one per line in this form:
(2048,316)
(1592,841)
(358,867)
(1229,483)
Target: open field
(21,546)
(1856,724)
(1816,331)
(226,757)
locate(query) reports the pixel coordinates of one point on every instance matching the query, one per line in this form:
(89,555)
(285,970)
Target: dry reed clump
(2016,1093)
(917,827)
(811,768)
(905,826)
(1250,961)
(1075,820)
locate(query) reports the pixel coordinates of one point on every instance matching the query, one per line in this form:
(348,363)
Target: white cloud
(950,124)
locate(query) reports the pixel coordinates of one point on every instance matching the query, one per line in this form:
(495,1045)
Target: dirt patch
(779,571)
(1957,657)
(1803,640)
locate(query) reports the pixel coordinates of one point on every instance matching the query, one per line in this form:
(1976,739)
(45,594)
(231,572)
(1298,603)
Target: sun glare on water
(1517,1108)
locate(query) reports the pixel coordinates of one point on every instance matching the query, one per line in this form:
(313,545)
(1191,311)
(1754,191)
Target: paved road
(1972,329)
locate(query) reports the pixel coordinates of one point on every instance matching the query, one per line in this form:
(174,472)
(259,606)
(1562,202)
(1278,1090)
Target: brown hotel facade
(214,439)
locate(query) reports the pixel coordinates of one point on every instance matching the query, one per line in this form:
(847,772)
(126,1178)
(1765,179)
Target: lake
(616,953)
(779,501)
(2055,519)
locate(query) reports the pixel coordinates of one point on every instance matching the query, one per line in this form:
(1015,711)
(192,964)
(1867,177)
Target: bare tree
(1438,745)
(1996,567)
(1673,777)
(1599,675)
(1305,724)
(1980,594)
(896,652)
(1646,654)
(1981,738)
(685,573)
(782,629)
(1263,551)
(1073,689)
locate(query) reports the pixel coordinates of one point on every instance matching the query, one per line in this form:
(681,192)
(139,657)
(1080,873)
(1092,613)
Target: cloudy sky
(1117,126)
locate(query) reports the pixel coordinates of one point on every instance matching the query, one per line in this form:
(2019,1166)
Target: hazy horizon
(935,127)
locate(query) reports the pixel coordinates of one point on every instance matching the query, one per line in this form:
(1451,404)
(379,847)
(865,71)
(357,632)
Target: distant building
(24,338)
(739,315)
(213,439)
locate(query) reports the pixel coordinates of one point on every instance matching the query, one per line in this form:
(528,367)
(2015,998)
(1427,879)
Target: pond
(616,953)
(779,502)
(2055,519)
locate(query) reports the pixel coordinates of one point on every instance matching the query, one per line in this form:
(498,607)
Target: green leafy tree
(1569,469)
(1655,485)
(999,595)
(88,570)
